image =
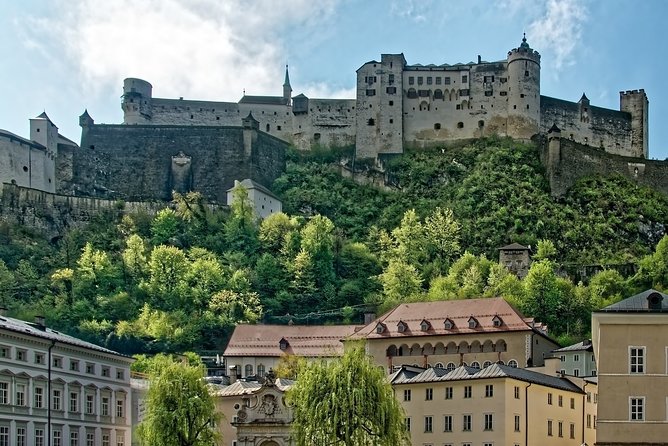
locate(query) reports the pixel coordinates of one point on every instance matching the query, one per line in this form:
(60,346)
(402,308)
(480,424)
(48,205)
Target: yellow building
(631,346)
(449,334)
(497,405)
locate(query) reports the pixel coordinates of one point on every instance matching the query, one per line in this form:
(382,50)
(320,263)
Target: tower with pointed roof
(523,91)
(45,133)
(287,89)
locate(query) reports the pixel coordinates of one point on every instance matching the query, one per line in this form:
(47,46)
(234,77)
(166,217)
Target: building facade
(517,258)
(58,390)
(449,334)
(496,405)
(264,202)
(577,359)
(631,349)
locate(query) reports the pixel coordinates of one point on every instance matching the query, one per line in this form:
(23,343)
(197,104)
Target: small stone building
(265,203)
(517,258)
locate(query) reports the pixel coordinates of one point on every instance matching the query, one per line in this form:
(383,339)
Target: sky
(65,56)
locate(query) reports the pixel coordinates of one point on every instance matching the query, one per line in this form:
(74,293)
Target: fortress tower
(43,169)
(136,101)
(523,91)
(636,103)
(287,89)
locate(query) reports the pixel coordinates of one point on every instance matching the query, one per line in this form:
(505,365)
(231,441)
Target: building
(629,339)
(495,405)
(255,413)
(255,349)
(32,163)
(59,390)
(450,334)
(265,203)
(517,258)
(577,359)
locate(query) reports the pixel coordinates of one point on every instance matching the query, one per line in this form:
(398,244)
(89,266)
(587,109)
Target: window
(588,421)
(428,424)
(503,93)
(56,400)
(429,394)
(371,121)
(572,431)
(407,394)
(489,422)
(21,355)
(637,408)
(90,404)
(489,92)
(90,439)
(411,80)
(120,408)
(74,402)
(450,367)
(74,366)
(120,374)
(589,397)
(466,423)
(57,362)
(105,439)
(57,438)
(449,324)
(390,78)
(576,372)
(460,125)
(248,370)
(549,398)
(517,392)
(447,423)
(489,390)
(74,438)
(465,79)
(20,395)
(4,352)
(391,90)
(39,398)
(106,372)
(90,368)
(572,403)
(429,80)
(561,428)
(517,423)
(448,393)
(446,80)
(512,363)
(39,437)
(467,391)
(39,358)
(438,81)
(561,401)
(20,436)
(105,406)
(4,435)
(576,358)
(420,80)
(637,359)
(549,428)
(407,423)
(369,92)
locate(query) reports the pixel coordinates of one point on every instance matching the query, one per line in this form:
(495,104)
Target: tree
(346,402)
(179,409)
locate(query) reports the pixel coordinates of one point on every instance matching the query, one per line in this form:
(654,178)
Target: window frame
(639,365)
(634,406)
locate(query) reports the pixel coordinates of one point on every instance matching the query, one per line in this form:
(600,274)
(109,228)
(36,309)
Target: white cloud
(200,49)
(416,10)
(323,90)
(559,30)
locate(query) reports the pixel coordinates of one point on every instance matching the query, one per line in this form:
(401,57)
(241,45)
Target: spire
(584,98)
(524,43)
(287,77)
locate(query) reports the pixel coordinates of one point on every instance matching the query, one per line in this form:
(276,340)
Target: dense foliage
(182,279)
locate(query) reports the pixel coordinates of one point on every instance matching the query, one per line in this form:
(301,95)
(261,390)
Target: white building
(265,203)
(58,390)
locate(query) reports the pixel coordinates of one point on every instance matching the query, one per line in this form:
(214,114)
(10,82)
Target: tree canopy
(347,401)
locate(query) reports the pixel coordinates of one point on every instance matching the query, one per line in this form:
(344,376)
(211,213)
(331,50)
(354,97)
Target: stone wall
(568,161)
(139,162)
(52,214)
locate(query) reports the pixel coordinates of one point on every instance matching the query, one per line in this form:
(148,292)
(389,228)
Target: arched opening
(416,350)
(488,346)
(512,363)
(476,347)
(460,125)
(427,349)
(451,348)
(424,106)
(438,365)
(438,94)
(501,346)
(451,366)
(248,370)
(475,364)
(391,351)
(268,128)
(412,93)
(404,350)
(439,349)
(464,347)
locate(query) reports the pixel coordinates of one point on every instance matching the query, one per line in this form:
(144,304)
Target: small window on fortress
(37,130)
(527,106)
(192,116)
(390,78)
(268,127)
(420,80)
(391,103)
(371,122)
(437,126)
(316,136)
(391,121)
(278,127)
(465,79)
(503,93)
(489,93)
(371,92)
(217,118)
(503,80)
(438,81)
(411,80)
(25,168)
(459,107)
(460,125)
(522,95)
(429,80)
(391,90)
(446,80)
(481,123)
(526,73)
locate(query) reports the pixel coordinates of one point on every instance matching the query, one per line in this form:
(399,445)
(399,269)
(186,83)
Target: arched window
(268,128)
(460,125)
(248,370)
(438,365)
(486,364)
(450,366)
(260,370)
(475,364)
(512,363)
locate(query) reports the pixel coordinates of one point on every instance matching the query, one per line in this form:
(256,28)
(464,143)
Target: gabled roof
(462,373)
(637,304)
(579,347)
(241,387)
(515,246)
(307,340)
(458,311)
(30,329)
(250,184)
(265,100)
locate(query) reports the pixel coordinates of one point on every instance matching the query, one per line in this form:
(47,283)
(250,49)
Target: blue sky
(64,56)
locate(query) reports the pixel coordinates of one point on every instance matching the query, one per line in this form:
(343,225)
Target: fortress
(182,144)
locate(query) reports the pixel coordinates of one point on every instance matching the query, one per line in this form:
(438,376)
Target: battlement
(633,92)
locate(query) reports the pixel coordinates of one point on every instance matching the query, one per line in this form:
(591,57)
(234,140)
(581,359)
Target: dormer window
(425,325)
(449,325)
(473,322)
(402,327)
(497,321)
(283,344)
(380,328)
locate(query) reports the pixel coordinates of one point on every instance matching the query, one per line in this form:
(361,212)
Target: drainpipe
(48,397)
(584,403)
(526,415)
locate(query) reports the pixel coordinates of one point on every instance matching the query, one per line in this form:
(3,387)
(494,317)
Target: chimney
(40,321)
(369,317)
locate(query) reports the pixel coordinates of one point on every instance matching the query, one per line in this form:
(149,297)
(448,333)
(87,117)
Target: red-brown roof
(458,311)
(305,340)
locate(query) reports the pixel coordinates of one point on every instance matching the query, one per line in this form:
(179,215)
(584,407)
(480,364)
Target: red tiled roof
(306,340)
(458,311)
